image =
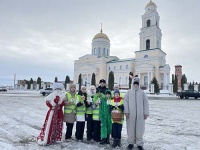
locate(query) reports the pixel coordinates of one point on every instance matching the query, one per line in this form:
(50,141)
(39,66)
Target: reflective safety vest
(89,110)
(112,103)
(95,112)
(80,111)
(70,108)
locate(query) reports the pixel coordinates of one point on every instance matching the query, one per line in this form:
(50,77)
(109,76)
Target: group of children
(97,107)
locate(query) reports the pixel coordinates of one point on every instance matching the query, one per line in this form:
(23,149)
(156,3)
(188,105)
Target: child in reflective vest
(98,97)
(70,110)
(105,117)
(117,109)
(89,110)
(80,114)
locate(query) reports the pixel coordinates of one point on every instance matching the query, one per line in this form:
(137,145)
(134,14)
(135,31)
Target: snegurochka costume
(105,117)
(98,97)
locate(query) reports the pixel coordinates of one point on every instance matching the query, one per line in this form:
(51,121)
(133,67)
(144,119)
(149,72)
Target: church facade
(149,61)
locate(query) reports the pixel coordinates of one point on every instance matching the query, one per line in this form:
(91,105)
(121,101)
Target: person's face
(136,86)
(116,95)
(83,90)
(102,84)
(108,96)
(92,91)
(73,89)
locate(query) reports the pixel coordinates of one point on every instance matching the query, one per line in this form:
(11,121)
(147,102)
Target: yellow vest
(89,110)
(112,103)
(80,111)
(70,108)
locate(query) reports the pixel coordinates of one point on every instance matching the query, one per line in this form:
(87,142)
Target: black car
(189,93)
(3,90)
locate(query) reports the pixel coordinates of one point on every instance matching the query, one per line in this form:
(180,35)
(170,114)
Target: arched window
(148,44)
(120,67)
(146,80)
(114,67)
(157,44)
(126,80)
(145,56)
(104,51)
(107,52)
(109,68)
(93,52)
(148,23)
(120,81)
(99,51)
(126,66)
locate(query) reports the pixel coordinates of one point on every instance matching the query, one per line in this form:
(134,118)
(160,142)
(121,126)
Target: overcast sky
(44,37)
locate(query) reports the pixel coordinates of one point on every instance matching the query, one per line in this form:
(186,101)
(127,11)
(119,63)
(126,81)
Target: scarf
(117,99)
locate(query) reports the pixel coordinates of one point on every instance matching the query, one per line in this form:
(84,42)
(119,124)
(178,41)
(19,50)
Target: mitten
(56,99)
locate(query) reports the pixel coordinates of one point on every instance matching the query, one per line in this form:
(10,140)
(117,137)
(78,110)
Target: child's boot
(108,139)
(114,143)
(119,142)
(103,141)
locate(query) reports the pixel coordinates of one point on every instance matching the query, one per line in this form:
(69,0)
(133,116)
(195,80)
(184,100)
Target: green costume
(105,117)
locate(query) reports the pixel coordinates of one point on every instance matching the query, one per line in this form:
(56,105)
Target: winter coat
(105,118)
(103,89)
(136,105)
(52,128)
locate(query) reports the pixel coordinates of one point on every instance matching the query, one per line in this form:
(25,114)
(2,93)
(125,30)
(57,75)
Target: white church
(149,61)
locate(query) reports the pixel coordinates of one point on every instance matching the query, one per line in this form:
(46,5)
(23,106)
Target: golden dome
(150,3)
(101,35)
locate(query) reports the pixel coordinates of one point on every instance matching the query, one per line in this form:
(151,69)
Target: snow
(173,124)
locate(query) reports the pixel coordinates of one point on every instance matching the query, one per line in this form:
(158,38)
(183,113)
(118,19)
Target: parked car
(189,93)
(46,91)
(3,90)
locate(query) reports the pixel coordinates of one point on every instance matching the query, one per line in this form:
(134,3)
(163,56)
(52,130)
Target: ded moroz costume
(52,128)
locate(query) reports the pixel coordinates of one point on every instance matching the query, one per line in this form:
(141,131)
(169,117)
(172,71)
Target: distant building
(178,73)
(149,61)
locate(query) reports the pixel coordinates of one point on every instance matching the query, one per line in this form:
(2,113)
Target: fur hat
(92,87)
(102,81)
(57,85)
(136,80)
(116,91)
(72,85)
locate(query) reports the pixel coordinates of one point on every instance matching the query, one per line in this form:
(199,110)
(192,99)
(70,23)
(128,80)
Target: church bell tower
(150,35)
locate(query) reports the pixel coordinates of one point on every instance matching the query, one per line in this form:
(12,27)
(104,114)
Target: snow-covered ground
(172,125)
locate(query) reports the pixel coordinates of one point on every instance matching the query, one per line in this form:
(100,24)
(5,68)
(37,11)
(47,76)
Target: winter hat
(108,92)
(57,85)
(116,91)
(136,80)
(72,85)
(83,87)
(102,81)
